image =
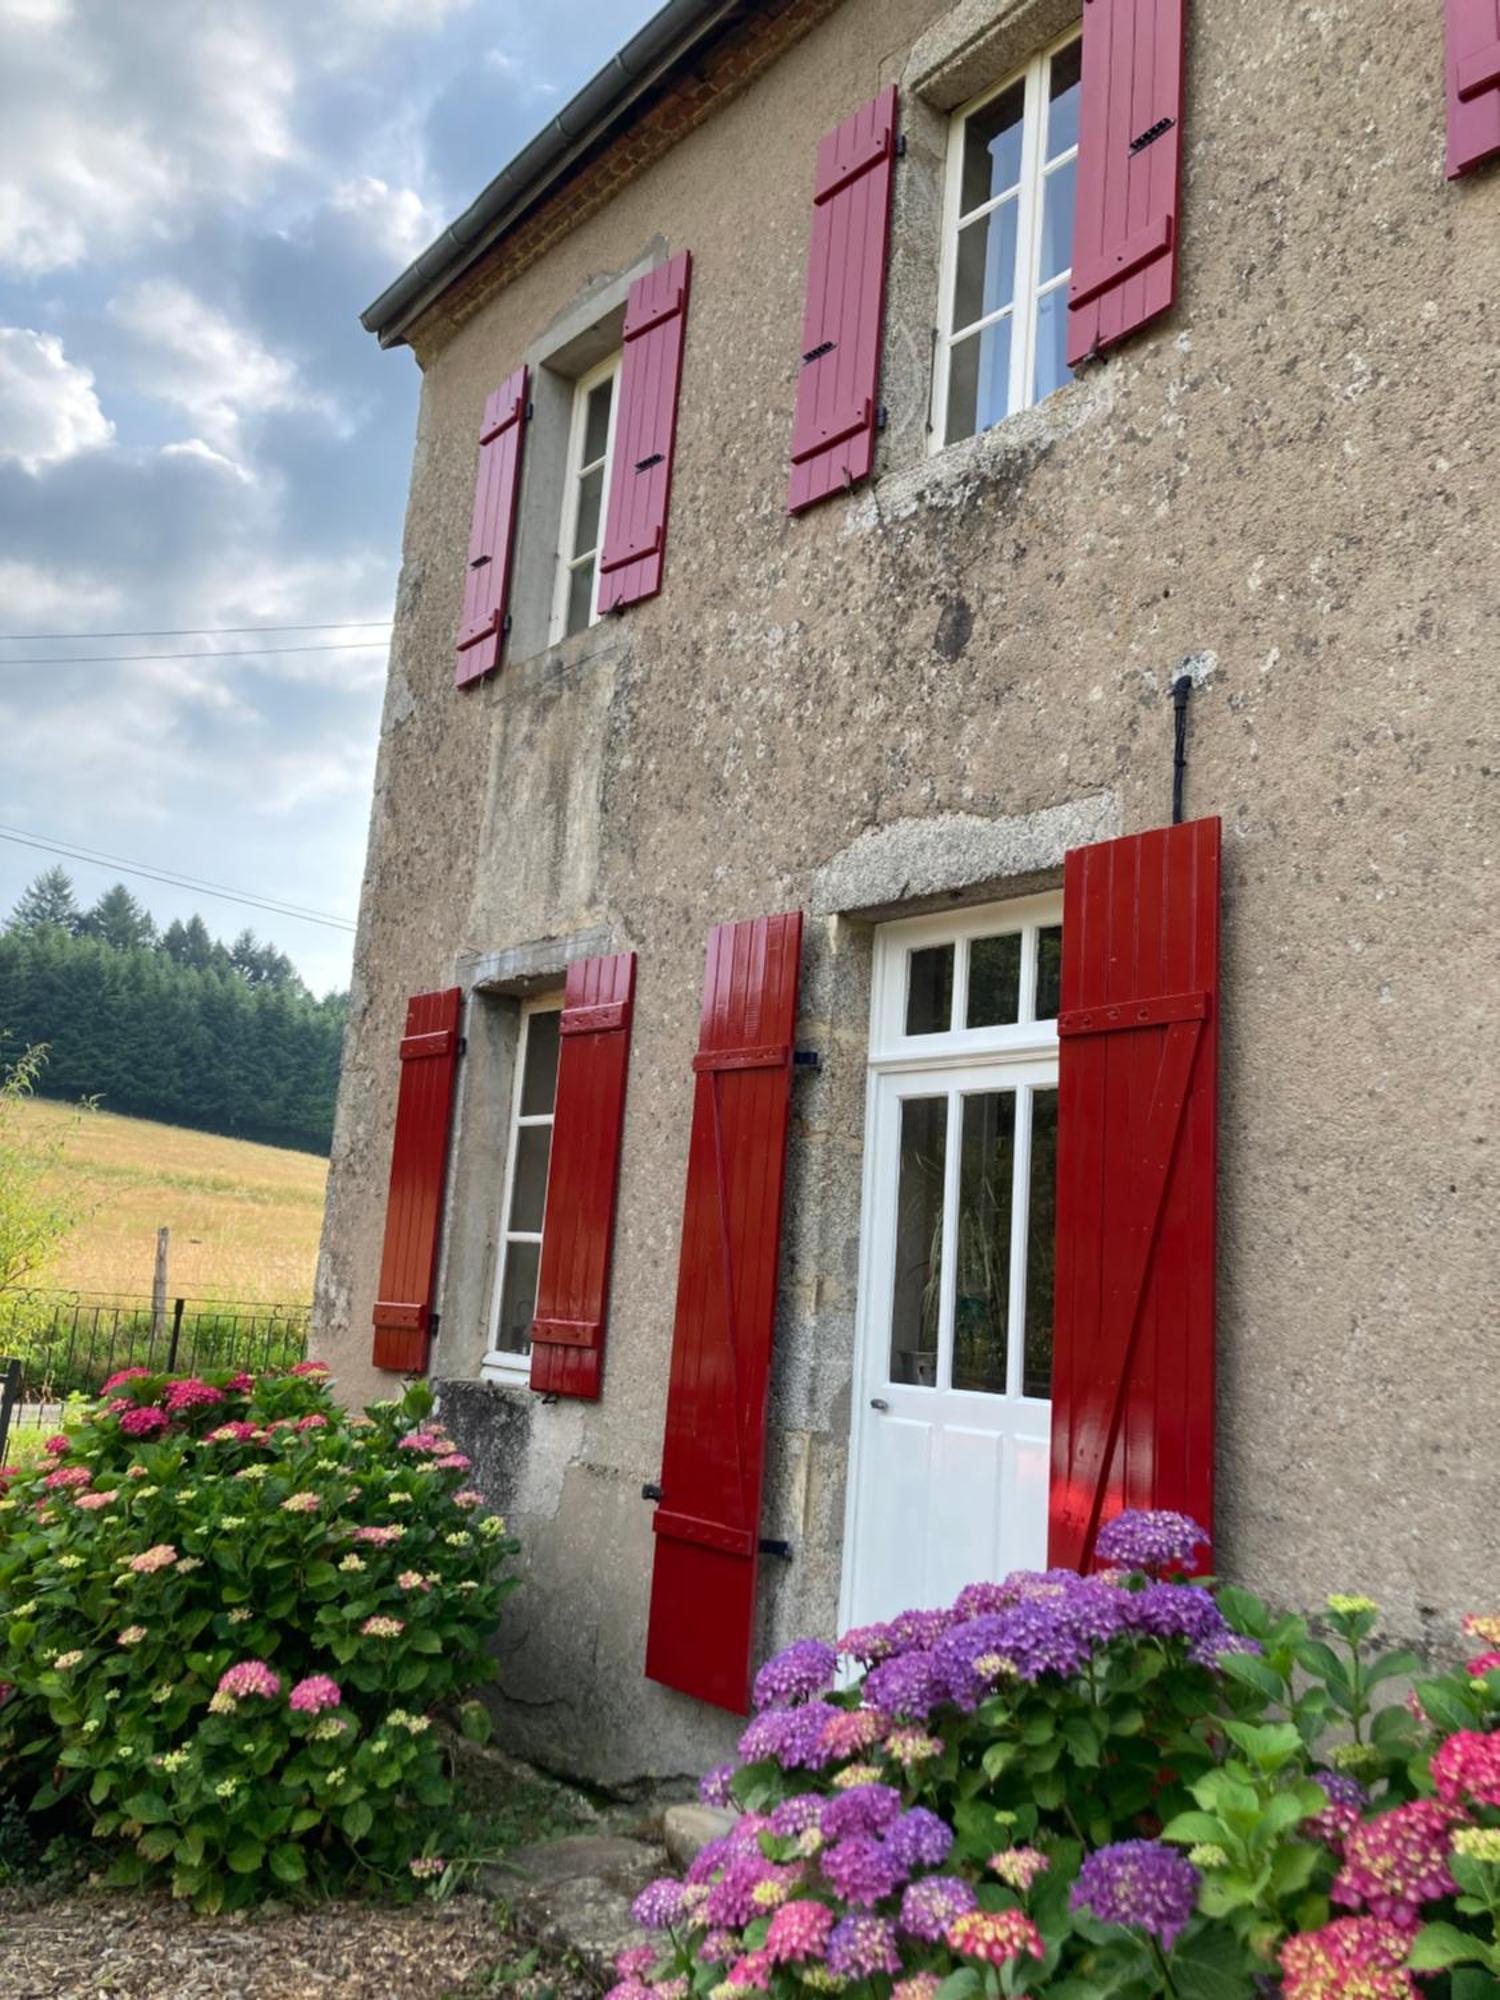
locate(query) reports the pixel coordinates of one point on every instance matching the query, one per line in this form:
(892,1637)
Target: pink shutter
(1473,84)
(1125,226)
(838,390)
(1138,1037)
(640,483)
(481,636)
(567,1335)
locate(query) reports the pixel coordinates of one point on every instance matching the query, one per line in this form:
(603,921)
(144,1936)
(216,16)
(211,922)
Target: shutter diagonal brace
(1154,1165)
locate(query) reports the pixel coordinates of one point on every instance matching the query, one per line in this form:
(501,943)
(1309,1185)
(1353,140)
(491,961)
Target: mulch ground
(144,1947)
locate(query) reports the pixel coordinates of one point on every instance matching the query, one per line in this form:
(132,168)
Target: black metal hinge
(1151,134)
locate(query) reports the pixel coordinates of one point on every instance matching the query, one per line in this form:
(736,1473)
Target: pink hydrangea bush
(230,1617)
(1130,1784)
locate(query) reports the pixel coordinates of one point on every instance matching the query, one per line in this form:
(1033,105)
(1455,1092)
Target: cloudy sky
(197,197)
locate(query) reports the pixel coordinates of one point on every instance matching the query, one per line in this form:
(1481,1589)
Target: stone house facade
(894,419)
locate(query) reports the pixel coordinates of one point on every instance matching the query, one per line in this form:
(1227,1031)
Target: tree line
(171,1024)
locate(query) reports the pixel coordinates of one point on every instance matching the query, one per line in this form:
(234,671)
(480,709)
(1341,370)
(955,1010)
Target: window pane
(986,1172)
(994,981)
(539,1084)
(986,276)
(1057,221)
(596,422)
(590,499)
(1048,972)
(992,148)
(979,381)
(929,991)
(1063,94)
(581,597)
(919,1240)
(1041,1237)
(528,1195)
(518,1299)
(1052,370)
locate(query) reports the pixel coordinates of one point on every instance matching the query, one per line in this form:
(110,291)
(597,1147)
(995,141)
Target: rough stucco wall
(1295,478)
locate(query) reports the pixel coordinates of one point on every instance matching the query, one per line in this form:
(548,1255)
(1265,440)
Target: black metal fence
(70,1343)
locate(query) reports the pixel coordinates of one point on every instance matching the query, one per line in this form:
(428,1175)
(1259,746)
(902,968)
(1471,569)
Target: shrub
(228,1614)
(1112,1785)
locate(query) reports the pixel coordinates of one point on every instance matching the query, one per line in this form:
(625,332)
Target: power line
(196,631)
(238,653)
(93,858)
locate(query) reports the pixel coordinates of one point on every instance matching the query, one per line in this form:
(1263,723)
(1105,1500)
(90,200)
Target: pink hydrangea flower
(237,1432)
(144,1422)
(313,1423)
(124,1375)
(1485,1663)
(249,1677)
(420,1441)
(310,1368)
(380,1627)
(995,1936)
(425,1865)
(453,1461)
(68,1475)
(380,1538)
(151,1560)
(468,1498)
(1467,1766)
(191,1394)
(243,1382)
(1354,1955)
(1484,1626)
(91,1502)
(413,1579)
(301,1503)
(312,1696)
(58,1445)
(799,1931)
(1398,1861)
(1019,1867)
(636,1962)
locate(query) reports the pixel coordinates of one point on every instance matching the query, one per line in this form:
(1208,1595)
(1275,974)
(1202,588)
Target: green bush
(230,1613)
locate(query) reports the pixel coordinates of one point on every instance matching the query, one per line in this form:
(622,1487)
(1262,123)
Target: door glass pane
(539,1085)
(981,1307)
(1057,221)
(596,422)
(986,276)
(979,381)
(919,1240)
(1048,972)
(581,597)
(518,1299)
(1063,90)
(1052,370)
(929,991)
(529,1192)
(992,148)
(994,981)
(1041,1237)
(590,498)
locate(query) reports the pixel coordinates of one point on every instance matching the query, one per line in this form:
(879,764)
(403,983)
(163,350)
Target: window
(524,1198)
(1008,246)
(585,492)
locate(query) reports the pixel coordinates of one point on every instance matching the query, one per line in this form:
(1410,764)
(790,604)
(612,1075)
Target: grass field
(244,1218)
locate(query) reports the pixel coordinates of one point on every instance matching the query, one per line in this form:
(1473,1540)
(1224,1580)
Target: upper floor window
(524,1197)
(1008,246)
(586,485)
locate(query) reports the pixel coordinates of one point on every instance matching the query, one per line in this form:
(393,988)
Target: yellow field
(244,1218)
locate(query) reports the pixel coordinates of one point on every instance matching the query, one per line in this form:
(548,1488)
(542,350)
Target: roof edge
(667,37)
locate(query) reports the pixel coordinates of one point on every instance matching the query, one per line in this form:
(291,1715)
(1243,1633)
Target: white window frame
(1023,309)
(573,477)
(500,1364)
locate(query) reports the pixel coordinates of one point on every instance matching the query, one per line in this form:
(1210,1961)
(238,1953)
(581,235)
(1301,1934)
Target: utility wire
(93,858)
(238,653)
(196,631)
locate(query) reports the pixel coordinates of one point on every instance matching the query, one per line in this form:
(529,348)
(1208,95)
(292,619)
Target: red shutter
(481,636)
(1129,170)
(567,1335)
(1133,1362)
(1473,83)
(708,1523)
(419,1165)
(833,436)
(640,481)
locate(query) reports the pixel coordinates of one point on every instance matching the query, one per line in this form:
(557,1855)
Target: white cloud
(188,354)
(395,220)
(48,409)
(52,599)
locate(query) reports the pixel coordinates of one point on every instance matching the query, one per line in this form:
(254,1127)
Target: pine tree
(49,900)
(119,921)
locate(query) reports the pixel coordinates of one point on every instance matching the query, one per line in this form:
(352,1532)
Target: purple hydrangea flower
(911,1685)
(732,1898)
(959,1651)
(796,1815)
(1151,1539)
(868,1644)
(982,1600)
(929,1906)
(918,1631)
(1139,1883)
(862,1809)
(709,1859)
(1347,1799)
(713,1786)
(659,1905)
(862,1946)
(803,1669)
(919,1839)
(791,1736)
(862,1870)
